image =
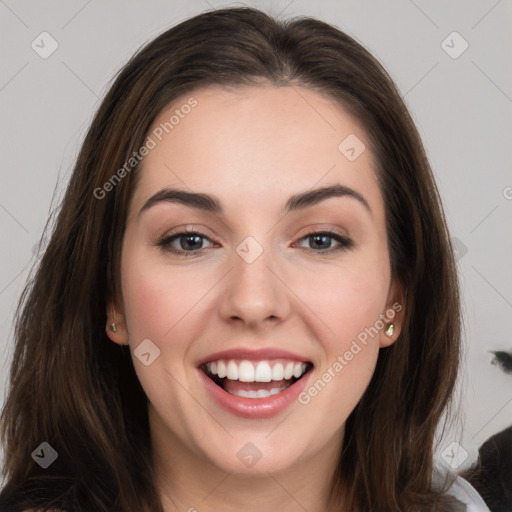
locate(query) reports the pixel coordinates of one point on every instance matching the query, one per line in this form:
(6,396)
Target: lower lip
(254,408)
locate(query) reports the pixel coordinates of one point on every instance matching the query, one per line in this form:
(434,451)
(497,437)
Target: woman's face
(262,298)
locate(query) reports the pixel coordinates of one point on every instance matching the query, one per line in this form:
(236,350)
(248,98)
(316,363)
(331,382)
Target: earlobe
(393,315)
(388,336)
(116,327)
(390,330)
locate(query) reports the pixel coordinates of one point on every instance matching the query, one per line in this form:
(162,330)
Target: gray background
(461,105)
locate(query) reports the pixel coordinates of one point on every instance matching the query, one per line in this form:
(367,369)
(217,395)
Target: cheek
(156,301)
(347,300)
(153,301)
(350,304)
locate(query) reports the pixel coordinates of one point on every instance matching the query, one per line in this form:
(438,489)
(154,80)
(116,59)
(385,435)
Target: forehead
(254,146)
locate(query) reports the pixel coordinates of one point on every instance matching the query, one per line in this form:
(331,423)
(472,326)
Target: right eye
(188,240)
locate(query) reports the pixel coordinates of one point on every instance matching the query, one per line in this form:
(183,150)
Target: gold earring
(113,327)
(390,330)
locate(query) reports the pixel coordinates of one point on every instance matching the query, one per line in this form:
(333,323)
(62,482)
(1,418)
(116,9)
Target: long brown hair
(73,388)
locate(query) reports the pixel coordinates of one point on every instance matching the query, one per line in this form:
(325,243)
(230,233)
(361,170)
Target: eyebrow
(212,204)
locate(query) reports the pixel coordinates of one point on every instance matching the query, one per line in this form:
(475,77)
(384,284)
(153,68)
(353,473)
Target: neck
(189,482)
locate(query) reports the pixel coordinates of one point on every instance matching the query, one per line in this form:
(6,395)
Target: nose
(254,293)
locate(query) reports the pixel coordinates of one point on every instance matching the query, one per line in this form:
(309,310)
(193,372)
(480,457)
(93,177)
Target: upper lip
(248,354)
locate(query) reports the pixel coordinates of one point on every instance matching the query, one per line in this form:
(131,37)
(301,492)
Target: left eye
(321,239)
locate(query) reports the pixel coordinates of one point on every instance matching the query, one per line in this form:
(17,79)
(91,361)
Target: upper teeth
(252,371)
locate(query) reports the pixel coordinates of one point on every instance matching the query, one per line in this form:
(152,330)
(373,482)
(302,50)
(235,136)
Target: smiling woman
(260,311)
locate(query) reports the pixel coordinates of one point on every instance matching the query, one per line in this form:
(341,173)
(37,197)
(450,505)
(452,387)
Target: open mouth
(255,379)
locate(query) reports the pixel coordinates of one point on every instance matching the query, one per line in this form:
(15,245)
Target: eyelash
(345,242)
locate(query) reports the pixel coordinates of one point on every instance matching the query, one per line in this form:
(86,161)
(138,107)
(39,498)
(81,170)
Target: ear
(115,317)
(393,314)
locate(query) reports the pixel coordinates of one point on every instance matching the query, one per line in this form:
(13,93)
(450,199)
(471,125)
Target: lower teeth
(261,393)
(253,393)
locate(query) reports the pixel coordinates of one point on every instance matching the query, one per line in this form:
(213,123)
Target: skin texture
(253,147)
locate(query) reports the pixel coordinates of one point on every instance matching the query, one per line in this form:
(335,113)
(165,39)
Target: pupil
(324,238)
(191,237)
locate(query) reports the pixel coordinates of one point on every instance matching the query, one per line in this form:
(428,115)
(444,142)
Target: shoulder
(461,489)
(468,494)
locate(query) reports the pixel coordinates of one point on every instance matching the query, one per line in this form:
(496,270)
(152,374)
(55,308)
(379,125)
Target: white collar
(460,489)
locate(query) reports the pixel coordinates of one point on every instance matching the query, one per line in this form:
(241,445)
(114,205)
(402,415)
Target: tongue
(236,385)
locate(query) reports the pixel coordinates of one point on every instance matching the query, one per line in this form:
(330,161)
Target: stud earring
(390,330)
(113,327)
